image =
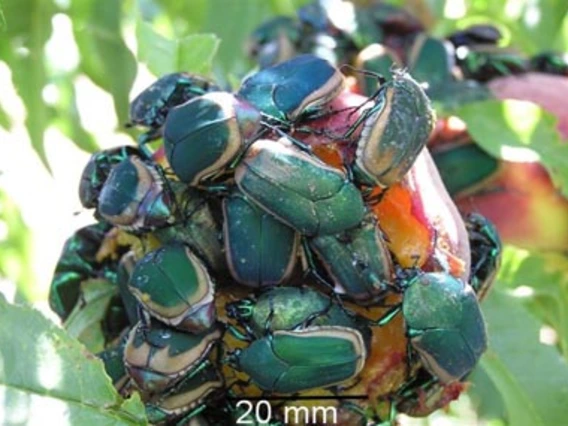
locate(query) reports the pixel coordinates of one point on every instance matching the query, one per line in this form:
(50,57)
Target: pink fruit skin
(432,202)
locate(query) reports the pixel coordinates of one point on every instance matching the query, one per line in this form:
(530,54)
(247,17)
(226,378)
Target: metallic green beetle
(486,251)
(464,166)
(151,107)
(550,62)
(156,356)
(125,268)
(291,89)
(77,263)
(97,171)
(136,198)
(197,227)
(484,63)
(186,399)
(174,286)
(261,251)
(480,34)
(357,260)
(444,324)
(293,308)
(300,190)
(203,136)
(298,360)
(113,360)
(395,130)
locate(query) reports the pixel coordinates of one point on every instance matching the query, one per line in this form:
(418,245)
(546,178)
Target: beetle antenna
(380,78)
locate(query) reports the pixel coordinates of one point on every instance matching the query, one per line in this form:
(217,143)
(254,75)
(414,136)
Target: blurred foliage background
(68,69)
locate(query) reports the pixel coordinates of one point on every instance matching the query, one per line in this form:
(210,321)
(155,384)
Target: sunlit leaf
(220,19)
(44,371)
(185,16)
(545,278)
(68,120)
(105,58)
(2,19)
(162,55)
(21,46)
(515,128)
(531,377)
(4,120)
(85,321)
(541,23)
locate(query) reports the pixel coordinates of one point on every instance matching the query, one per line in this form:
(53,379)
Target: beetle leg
(197,410)
(237,334)
(263,130)
(385,319)
(312,266)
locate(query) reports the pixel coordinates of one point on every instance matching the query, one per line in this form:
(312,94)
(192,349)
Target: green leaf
(105,58)
(546,276)
(485,396)
(43,370)
(22,47)
(2,19)
(541,23)
(532,378)
(192,54)
(85,321)
(185,16)
(5,121)
(68,120)
(221,18)
(520,129)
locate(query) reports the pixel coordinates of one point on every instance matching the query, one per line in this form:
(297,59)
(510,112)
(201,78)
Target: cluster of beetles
(288,239)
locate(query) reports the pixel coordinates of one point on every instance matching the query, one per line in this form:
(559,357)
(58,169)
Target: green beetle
(156,356)
(135,197)
(357,260)
(203,136)
(298,360)
(323,201)
(97,171)
(480,34)
(463,166)
(151,107)
(113,360)
(125,268)
(484,63)
(486,251)
(444,324)
(196,227)
(185,400)
(293,89)
(174,286)
(77,263)
(395,129)
(293,308)
(550,62)
(261,251)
